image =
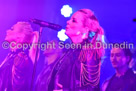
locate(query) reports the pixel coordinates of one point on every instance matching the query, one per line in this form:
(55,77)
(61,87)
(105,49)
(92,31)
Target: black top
(126,82)
(16,72)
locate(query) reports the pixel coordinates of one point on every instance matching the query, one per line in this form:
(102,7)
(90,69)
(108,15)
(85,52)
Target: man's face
(118,58)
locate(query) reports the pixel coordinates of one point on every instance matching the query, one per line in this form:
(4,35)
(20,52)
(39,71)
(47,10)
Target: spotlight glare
(61,35)
(66,10)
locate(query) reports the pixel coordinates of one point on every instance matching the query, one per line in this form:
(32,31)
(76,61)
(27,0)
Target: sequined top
(75,71)
(16,72)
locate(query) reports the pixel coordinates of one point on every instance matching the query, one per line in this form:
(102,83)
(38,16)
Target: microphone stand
(36,59)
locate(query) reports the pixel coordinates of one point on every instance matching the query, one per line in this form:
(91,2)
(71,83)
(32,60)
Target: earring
(84,35)
(91,34)
(98,38)
(78,33)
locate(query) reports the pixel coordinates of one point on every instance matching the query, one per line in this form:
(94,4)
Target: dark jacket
(126,82)
(16,72)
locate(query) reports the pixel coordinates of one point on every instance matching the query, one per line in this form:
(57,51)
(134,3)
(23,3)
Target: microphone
(46,24)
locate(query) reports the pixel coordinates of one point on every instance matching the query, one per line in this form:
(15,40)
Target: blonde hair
(25,30)
(92,23)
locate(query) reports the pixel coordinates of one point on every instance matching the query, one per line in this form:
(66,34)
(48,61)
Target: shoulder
(105,84)
(130,73)
(21,56)
(22,60)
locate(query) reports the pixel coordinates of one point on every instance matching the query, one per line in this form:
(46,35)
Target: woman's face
(14,34)
(75,24)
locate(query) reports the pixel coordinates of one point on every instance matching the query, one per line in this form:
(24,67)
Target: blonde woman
(16,69)
(79,69)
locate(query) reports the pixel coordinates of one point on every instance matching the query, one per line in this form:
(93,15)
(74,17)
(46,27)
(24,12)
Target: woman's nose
(8,31)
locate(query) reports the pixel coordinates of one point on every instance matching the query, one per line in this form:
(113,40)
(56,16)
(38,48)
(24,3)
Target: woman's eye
(74,20)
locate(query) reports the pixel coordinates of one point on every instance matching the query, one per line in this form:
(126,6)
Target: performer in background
(52,55)
(16,69)
(124,79)
(79,68)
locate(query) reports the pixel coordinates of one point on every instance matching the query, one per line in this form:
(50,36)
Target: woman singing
(16,69)
(79,68)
